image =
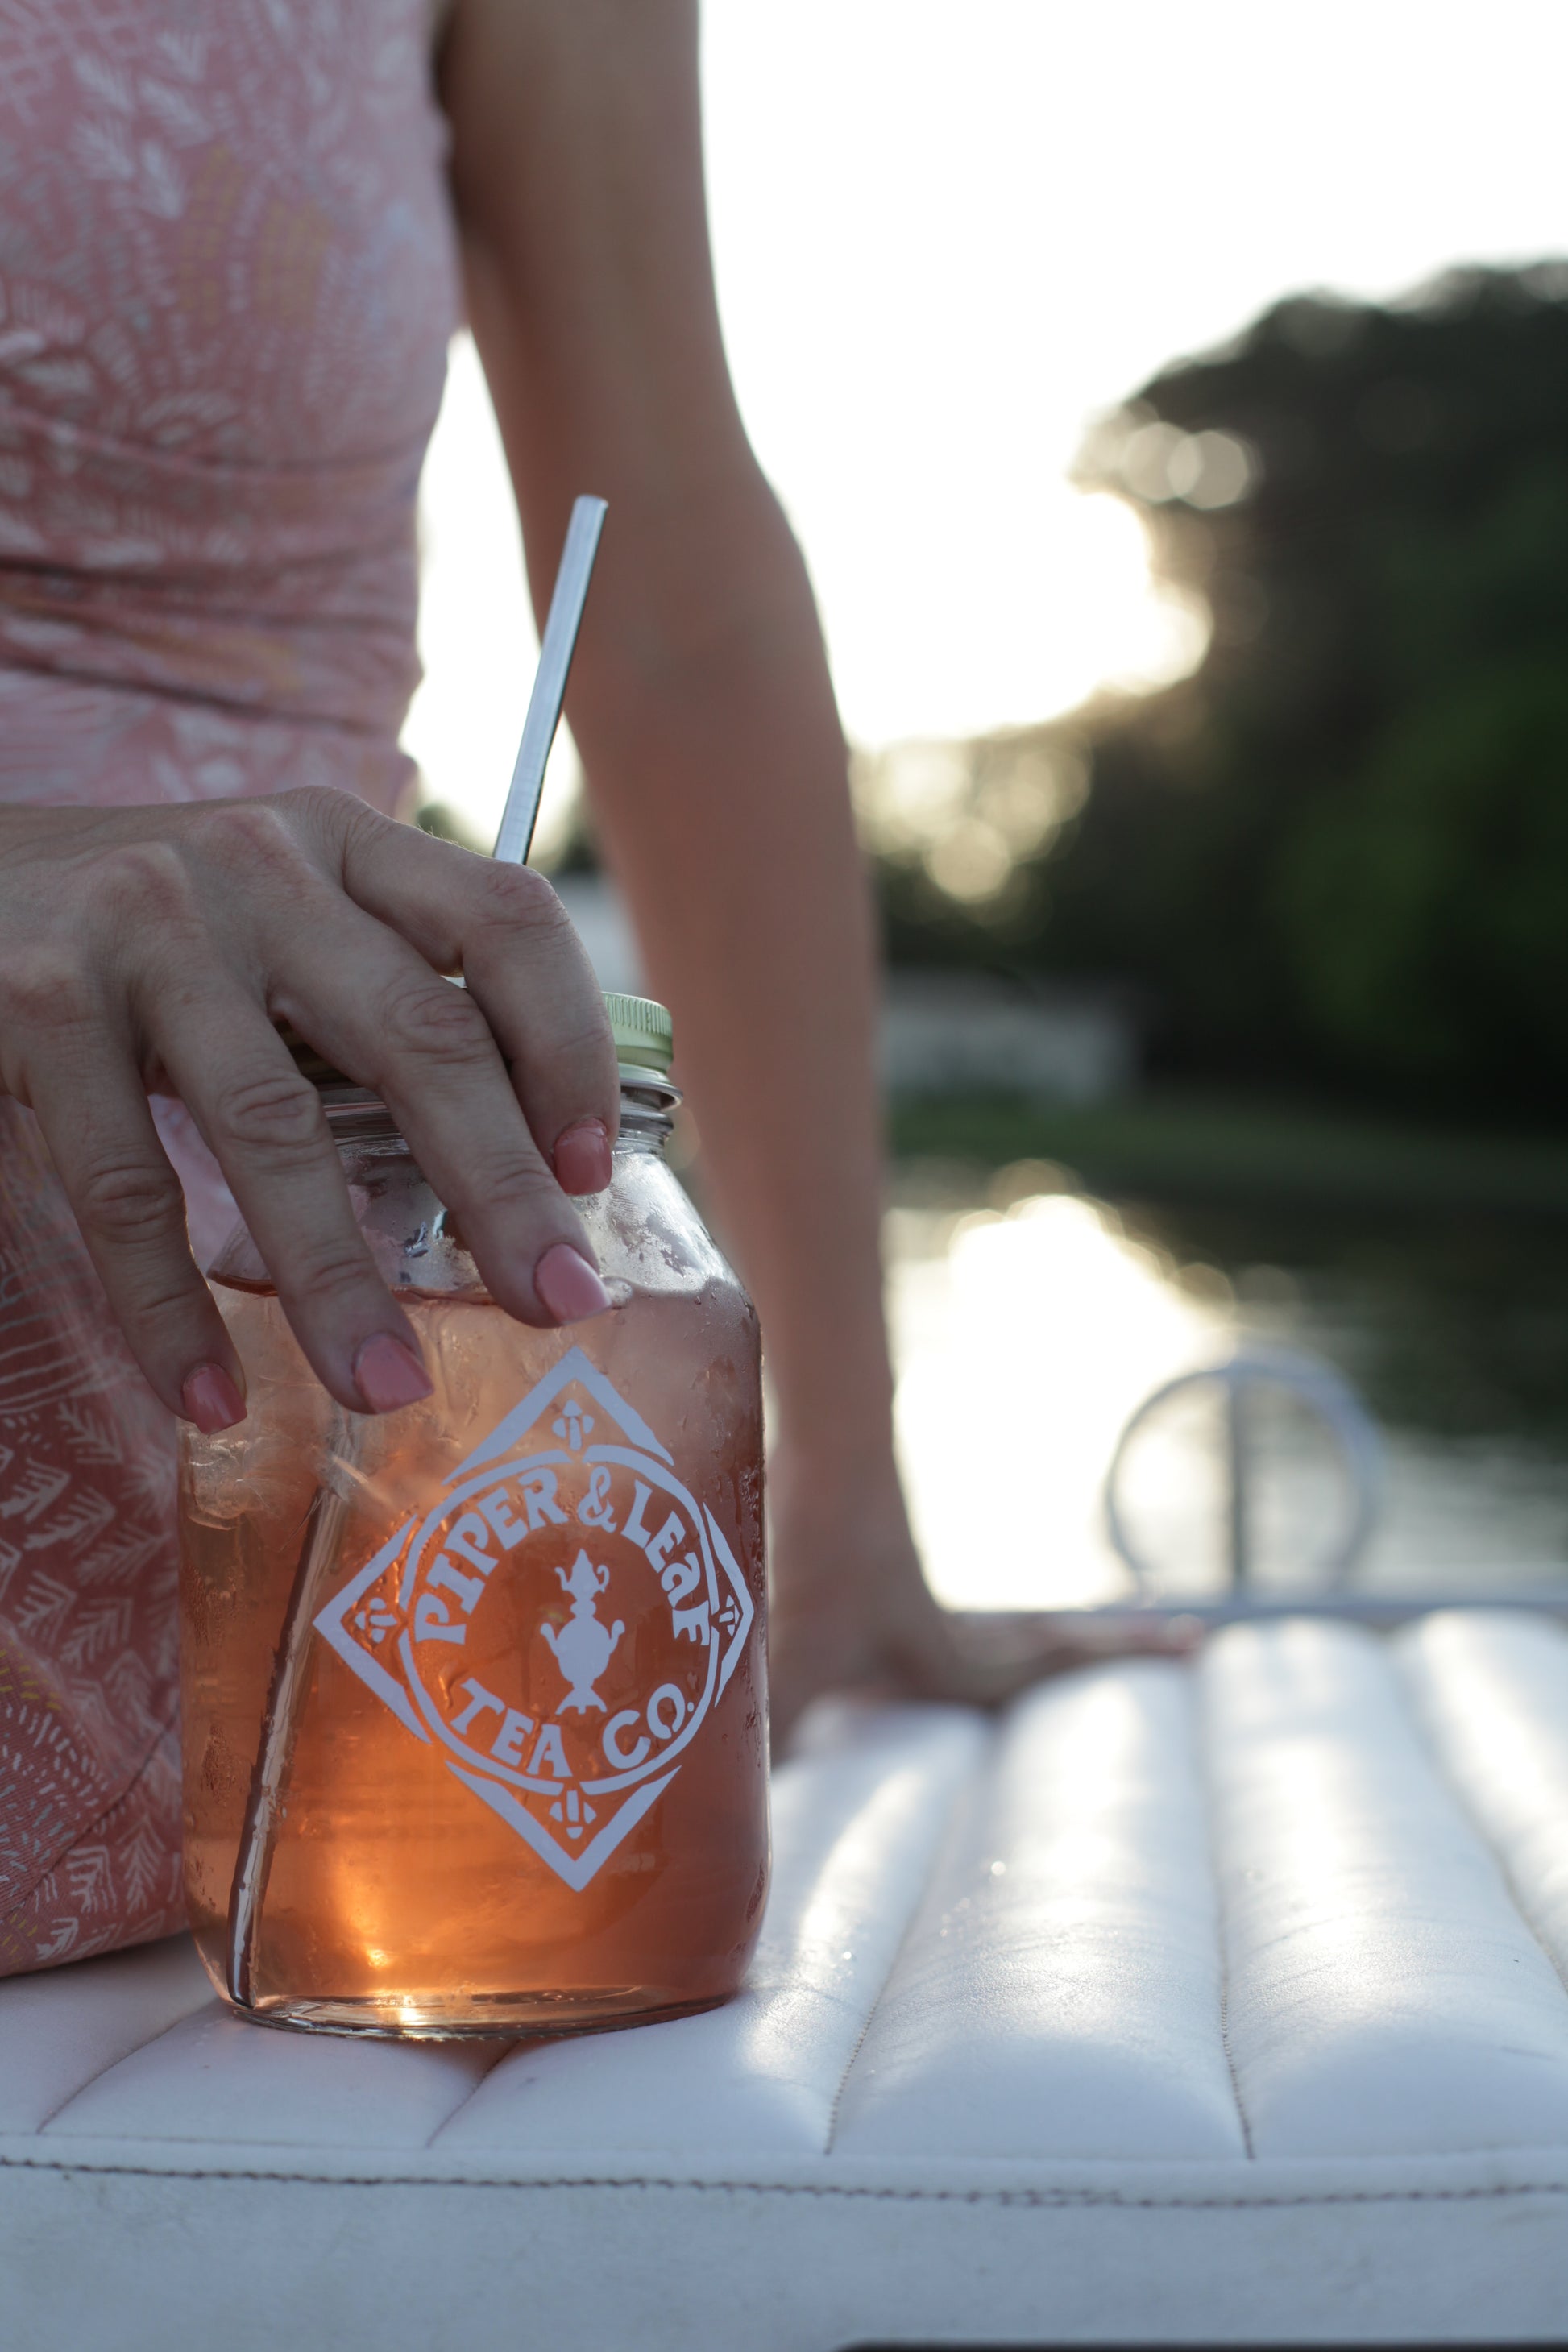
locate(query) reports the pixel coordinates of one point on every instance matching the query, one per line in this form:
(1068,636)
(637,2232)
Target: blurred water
(1029,1321)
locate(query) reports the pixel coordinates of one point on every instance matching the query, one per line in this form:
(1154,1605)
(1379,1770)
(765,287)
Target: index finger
(503,927)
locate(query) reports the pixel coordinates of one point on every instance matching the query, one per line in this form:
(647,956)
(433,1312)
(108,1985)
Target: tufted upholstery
(1184,2004)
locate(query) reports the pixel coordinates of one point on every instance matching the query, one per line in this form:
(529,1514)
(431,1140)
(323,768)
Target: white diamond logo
(559,1625)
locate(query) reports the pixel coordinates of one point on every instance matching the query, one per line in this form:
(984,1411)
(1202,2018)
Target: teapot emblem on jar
(583,1646)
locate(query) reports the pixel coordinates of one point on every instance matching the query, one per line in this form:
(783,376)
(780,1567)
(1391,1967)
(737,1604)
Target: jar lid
(643,1032)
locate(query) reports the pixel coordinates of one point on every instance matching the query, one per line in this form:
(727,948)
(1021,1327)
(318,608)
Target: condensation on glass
(475,1707)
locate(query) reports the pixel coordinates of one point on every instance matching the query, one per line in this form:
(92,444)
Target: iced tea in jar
(475,1713)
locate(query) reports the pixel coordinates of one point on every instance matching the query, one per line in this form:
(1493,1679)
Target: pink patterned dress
(228,281)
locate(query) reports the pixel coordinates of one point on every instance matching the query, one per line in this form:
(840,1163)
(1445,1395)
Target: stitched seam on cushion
(1203,1767)
(959,1804)
(85,1831)
(1406,1678)
(109,2064)
(504,2051)
(1062,2200)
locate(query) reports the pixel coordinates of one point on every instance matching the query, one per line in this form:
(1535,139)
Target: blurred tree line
(1336,855)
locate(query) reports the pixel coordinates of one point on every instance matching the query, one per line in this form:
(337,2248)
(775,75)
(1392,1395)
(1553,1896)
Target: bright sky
(946,235)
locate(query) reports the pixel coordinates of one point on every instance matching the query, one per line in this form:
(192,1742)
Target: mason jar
(475,1714)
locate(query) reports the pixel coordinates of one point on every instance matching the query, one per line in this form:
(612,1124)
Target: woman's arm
(700,698)
(702,706)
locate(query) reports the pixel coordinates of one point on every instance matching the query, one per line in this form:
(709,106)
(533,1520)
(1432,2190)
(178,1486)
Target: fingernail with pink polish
(211,1399)
(583,1156)
(390,1375)
(569,1285)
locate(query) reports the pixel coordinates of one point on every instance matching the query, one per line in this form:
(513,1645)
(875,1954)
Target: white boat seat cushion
(1220,2003)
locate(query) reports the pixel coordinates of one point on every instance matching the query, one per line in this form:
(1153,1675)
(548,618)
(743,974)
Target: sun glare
(1056,602)
(1023,1340)
(1068,607)
(946,241)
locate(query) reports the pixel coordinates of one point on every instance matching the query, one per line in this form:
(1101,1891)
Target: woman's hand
(154,950)
(850,1611)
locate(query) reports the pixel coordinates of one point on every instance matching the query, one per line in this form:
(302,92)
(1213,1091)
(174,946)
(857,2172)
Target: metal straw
(570,593)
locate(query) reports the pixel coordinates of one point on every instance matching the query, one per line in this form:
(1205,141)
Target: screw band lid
(643,1032)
